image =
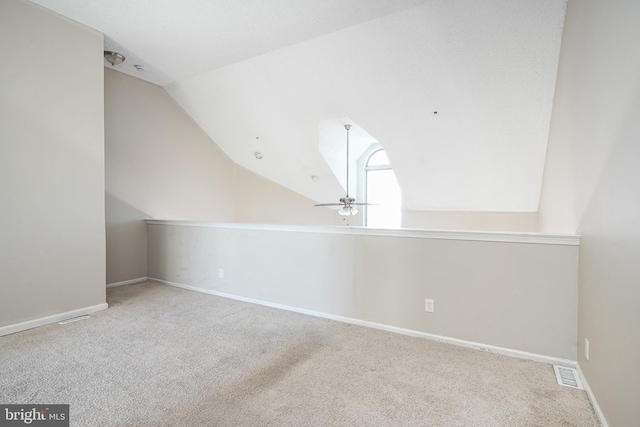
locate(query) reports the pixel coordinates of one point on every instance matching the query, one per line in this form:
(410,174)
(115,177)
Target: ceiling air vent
(567,377)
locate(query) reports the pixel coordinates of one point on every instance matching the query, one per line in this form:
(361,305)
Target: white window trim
(387,167)
(362,177)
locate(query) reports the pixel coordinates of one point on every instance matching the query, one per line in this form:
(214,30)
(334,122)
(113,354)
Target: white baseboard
(592,397)
(127,282)
(462,343)
(30,324)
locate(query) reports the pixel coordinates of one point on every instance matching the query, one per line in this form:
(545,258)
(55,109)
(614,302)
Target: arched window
(381,189)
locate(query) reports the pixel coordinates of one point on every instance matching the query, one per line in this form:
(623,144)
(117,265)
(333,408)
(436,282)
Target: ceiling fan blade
(344,204)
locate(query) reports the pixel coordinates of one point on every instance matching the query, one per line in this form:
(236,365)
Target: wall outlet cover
(429,305)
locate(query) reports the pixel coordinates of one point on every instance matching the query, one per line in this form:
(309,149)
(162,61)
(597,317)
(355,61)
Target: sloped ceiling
(459,92)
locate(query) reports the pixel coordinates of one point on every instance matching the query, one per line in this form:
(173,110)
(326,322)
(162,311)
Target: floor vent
(567,377)
(73,319)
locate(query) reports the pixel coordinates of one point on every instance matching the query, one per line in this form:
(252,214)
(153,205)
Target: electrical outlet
(429,305)
(586,348)
(221,273)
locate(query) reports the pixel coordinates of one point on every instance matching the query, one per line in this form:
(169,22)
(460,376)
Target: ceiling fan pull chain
(348,203)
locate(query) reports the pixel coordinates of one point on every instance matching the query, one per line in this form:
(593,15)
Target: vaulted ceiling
(459,92)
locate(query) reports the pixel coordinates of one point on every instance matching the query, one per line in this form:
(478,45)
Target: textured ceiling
(174,39)
(268,75)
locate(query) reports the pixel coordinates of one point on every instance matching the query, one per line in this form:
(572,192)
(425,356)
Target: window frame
(365,171)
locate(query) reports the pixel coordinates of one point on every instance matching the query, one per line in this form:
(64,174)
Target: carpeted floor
(162,356)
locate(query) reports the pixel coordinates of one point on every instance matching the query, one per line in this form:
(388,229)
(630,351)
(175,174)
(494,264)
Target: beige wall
(160,164)
(258,200)
(126,241)
(521,296)
(591,185)
(52,250)
(157,159)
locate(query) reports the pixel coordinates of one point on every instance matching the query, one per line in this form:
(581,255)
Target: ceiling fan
(348,204)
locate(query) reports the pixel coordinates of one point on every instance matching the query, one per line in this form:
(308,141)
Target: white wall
(481,221)
(591,185)
(487,67)
(52,250)
(521,296)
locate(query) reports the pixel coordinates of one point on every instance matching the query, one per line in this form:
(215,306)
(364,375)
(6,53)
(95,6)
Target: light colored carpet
(161,356)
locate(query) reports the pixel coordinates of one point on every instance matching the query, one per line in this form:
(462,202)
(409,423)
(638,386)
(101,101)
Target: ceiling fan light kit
(348,208)
(113,58)
(347,204)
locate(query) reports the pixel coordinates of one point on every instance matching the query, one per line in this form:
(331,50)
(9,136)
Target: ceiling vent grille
(567,377)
